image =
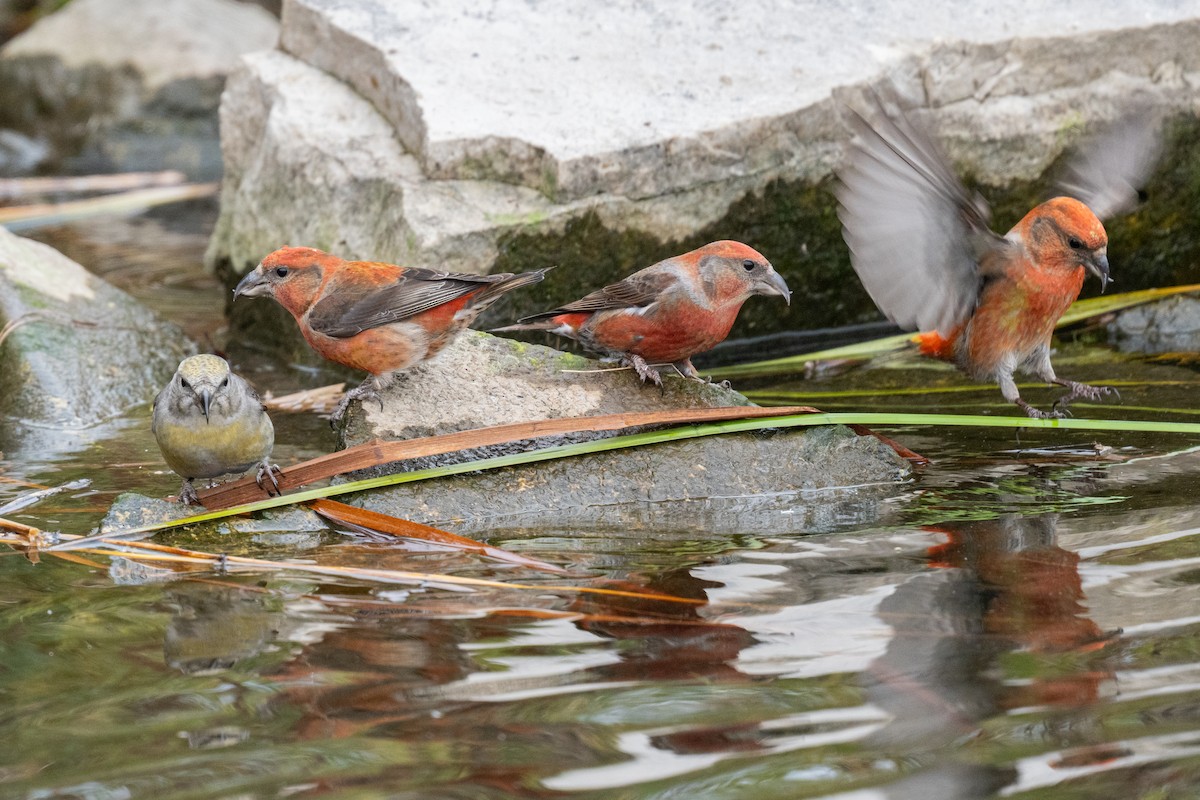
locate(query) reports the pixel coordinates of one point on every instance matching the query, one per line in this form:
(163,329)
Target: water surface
(1018,620)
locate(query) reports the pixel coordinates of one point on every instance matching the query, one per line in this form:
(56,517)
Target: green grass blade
(790,364)
(802,397)
(876,419)
(1079,310)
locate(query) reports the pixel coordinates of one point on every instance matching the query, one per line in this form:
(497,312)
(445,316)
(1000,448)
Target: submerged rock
(814,464)
(129,84)
(1168,326)
(287,525)
(77,350)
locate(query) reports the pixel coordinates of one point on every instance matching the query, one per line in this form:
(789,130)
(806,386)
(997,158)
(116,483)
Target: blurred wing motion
(1108,169)
(915,234)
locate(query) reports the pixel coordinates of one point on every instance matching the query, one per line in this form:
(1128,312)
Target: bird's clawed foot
(367,390)
(1082,391)
(268,470)
(645,371)
(686,370)
(187,493)
(1037,413)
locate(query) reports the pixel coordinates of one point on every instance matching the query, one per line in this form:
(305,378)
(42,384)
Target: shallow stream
(1020,620)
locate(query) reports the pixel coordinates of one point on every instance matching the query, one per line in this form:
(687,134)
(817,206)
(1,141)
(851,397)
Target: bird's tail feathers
(534,325)
(506,283)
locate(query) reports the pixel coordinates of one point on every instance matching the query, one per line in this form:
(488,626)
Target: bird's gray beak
(205,402)
(253,285)
(1098,266)
(773,283)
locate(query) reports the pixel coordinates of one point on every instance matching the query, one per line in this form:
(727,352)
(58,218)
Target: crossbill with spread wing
(921,244)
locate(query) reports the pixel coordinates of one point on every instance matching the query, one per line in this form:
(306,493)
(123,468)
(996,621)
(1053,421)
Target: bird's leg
(1081,391)
(368,389)
(688,370)
(1008,388)
(187,493)
(268,470)
(645,371)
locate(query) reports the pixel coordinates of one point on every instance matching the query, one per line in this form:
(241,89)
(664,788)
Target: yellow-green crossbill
(209,422)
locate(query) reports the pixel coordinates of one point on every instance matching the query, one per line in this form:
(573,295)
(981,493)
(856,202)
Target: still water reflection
(880,655)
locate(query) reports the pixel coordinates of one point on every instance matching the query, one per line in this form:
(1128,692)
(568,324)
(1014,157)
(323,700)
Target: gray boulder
(129,84)
(723,480)
(76,351)
(483,380)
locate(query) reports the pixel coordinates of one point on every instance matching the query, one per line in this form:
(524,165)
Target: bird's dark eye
(183,382)
(1075,243)
(748,265)
(281,271)
(224,383)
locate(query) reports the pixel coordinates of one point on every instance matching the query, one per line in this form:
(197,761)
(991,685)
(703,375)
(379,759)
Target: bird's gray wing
(346,311)
(915,234)
(1108,168)
(638,290)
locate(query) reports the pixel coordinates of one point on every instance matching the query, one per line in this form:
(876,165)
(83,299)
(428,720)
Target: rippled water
(1019,620)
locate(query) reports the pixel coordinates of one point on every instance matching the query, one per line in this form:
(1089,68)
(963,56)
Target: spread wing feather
(915,234)
(1108,169)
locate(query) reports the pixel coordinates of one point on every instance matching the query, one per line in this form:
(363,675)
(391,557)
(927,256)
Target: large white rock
(640,98)
(162,40)
(427,133)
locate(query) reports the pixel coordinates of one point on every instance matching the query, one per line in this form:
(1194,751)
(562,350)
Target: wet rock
(483,380)
(1168,326)
(20,155)
(77,350)
(129,84)
(289,526)
(435,136)
(131,510)
(820,465)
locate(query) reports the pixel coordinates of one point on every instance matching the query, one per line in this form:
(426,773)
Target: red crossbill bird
(921,245)
(667,312)
(372,316)
(209,422)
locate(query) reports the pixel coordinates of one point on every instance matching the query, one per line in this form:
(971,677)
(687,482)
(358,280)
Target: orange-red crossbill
(921,245)
(667,312)
(373,316)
